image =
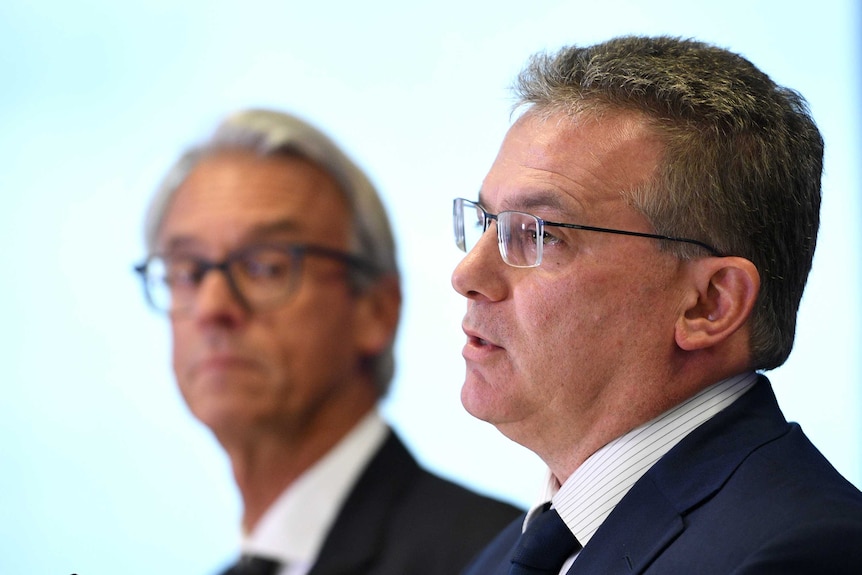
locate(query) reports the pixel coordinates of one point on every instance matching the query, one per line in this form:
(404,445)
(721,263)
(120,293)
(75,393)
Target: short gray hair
(273,133)
(742,163)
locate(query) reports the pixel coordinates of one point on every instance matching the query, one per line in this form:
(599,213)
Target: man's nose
(480,273)
(218,297)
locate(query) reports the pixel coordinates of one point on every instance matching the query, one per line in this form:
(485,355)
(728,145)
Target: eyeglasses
(258,275)
(518,233)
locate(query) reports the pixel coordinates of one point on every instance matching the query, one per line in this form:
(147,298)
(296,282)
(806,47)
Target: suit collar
(651,515)
(357,536)
(296,524)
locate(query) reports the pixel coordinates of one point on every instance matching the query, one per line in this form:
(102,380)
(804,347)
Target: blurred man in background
(272,254)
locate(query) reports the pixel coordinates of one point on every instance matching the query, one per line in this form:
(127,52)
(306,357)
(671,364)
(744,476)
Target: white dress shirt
(294,527)
(589,495)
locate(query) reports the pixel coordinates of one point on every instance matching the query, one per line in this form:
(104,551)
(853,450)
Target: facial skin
(290,374)
(567,356)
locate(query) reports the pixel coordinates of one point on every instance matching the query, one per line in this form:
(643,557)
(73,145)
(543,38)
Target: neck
(269,462)
(628,406)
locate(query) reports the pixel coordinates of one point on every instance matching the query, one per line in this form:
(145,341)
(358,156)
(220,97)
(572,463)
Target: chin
(219,410)
(214,417)
(479,400)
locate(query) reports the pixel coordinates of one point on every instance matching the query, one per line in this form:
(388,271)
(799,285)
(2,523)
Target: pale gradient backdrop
(102,470)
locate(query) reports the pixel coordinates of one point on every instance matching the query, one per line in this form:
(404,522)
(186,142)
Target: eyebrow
(534,200)
(272,228)
(256,233)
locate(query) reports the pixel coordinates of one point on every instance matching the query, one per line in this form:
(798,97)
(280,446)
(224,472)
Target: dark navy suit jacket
(744,493)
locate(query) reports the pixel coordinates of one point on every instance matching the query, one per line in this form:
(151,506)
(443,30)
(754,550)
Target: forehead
(571,163)
(233,196)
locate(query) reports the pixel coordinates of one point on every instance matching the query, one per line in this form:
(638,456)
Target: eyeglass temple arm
(699,243)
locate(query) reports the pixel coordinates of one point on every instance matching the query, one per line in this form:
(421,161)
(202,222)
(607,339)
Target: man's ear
(722,294)
(377,311)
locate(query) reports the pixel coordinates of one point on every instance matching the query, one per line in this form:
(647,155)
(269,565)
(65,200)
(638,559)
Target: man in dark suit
(273,256)
(636,256)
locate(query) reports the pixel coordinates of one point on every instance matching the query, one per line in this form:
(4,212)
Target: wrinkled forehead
(206,170)
(229,197)
(557,159)
(180,172)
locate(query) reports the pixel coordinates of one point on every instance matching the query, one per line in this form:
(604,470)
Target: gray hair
(272,133)
(742,163)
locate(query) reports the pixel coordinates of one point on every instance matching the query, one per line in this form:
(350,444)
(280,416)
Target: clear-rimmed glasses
(258,275)
(519,233)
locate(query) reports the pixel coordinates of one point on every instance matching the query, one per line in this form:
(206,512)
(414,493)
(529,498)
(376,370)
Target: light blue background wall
(102,470)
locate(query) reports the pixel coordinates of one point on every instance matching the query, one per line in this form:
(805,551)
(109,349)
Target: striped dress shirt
(590,494)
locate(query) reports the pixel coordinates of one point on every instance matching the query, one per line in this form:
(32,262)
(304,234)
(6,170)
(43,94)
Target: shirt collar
(589,495)
(294,527)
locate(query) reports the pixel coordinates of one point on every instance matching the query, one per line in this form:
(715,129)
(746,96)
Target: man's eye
(182,273)
(266,267)
(549,239)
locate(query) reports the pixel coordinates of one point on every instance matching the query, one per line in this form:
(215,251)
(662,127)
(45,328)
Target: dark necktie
(544,546)
(253,565)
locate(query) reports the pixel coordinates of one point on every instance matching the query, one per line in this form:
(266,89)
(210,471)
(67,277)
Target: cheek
(182,361)
(548,327)
(566,322)
(181,338)
(552,311)
(312,339)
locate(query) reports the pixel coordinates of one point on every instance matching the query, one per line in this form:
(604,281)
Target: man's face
(280,368)
(568,352)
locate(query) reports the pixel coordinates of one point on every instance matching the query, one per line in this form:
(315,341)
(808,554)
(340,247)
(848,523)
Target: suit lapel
(358,532)
(651,514)
(643,524)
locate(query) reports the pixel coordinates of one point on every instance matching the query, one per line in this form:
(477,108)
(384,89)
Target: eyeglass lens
(258,276)
(517,232)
